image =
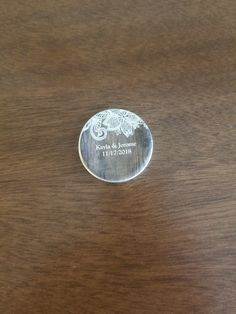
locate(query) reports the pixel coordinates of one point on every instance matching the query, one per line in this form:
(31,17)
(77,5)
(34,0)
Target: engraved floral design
(113,120)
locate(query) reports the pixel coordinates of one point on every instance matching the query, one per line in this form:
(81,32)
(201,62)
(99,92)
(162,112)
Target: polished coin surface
(115,145)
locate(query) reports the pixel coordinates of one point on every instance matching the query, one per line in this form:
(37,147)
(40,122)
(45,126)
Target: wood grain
(163,243)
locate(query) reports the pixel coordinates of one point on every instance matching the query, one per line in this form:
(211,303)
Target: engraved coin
(115,145)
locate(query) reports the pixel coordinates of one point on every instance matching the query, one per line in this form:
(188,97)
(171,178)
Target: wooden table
(162,243)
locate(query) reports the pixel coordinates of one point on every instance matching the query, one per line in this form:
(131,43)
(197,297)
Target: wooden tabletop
(164,242)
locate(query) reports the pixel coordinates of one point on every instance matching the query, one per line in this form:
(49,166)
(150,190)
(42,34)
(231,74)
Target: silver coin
(115,145)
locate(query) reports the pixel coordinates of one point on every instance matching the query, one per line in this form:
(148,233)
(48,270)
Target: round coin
(115,145)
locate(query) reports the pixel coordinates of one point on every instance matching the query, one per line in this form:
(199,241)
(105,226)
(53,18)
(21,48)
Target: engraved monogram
(113,120)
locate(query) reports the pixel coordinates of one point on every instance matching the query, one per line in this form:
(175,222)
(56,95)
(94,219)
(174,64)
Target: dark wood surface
(163,243)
